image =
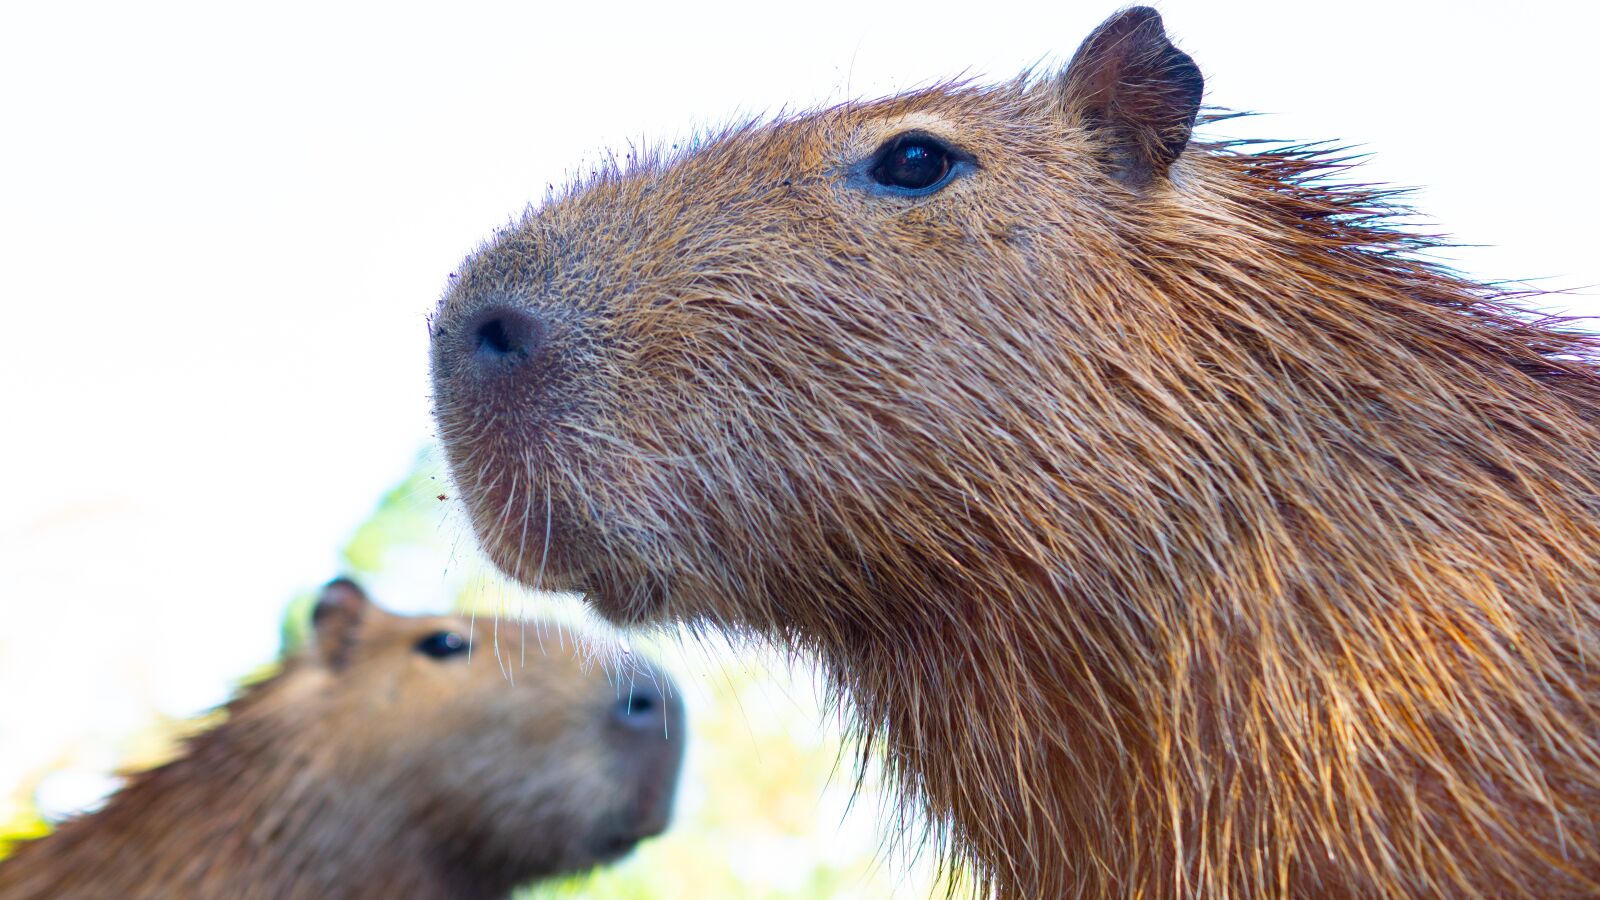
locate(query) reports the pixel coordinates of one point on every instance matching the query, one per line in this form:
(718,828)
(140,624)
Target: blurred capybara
(394,756)
(1172,525)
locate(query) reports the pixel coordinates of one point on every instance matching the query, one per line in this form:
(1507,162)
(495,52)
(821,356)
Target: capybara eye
(913,162)
(442,644)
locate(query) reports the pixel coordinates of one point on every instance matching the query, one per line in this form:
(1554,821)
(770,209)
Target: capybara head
(619,378)
(1175,526)
(519,743)
(412,756)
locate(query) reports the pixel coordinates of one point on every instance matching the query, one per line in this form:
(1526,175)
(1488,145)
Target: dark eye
(913,162)
(442,644)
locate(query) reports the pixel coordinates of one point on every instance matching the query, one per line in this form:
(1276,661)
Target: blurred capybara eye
(442,644)
(912,162)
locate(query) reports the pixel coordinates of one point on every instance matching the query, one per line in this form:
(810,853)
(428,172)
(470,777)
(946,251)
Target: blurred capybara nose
(503,339)
(644,706)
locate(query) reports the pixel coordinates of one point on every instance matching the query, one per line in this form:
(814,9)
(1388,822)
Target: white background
(221,229)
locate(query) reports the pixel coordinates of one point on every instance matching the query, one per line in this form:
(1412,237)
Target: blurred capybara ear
(1136,93)
(335,620)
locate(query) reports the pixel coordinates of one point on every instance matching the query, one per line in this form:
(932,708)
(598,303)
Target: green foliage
(23,825)
(296,626)
(406,516)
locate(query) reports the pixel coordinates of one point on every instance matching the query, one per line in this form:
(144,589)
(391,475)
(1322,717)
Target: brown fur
(369,769)
(1171,527)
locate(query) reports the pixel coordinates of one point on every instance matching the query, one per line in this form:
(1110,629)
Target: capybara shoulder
(393,756)
(1174,526)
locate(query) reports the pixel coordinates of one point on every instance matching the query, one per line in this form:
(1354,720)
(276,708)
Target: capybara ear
(1135,92)
(336,619)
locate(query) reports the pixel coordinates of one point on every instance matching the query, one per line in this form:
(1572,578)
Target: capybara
(1169,522)
(394,756)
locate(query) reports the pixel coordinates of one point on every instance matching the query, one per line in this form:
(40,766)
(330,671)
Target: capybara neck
(1170,525)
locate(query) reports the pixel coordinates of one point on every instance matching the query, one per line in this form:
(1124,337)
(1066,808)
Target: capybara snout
(415,756)
(648,719)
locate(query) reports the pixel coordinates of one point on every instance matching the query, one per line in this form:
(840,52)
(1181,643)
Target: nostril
(505,336)
(495,337)
(640,707)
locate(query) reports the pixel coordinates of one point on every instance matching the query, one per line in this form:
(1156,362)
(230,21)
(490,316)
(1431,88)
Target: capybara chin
(395,756)
(1172,527)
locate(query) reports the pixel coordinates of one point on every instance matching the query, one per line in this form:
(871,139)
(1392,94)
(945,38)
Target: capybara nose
(649,721)
(503,339)
(643,705)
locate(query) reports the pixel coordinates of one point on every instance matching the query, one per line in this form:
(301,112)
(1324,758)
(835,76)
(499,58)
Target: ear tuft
(336,619)
(1135,92)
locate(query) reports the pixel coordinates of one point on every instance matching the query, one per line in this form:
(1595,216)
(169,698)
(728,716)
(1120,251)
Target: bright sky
(223,227)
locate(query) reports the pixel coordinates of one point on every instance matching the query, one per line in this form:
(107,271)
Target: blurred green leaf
(24,825)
